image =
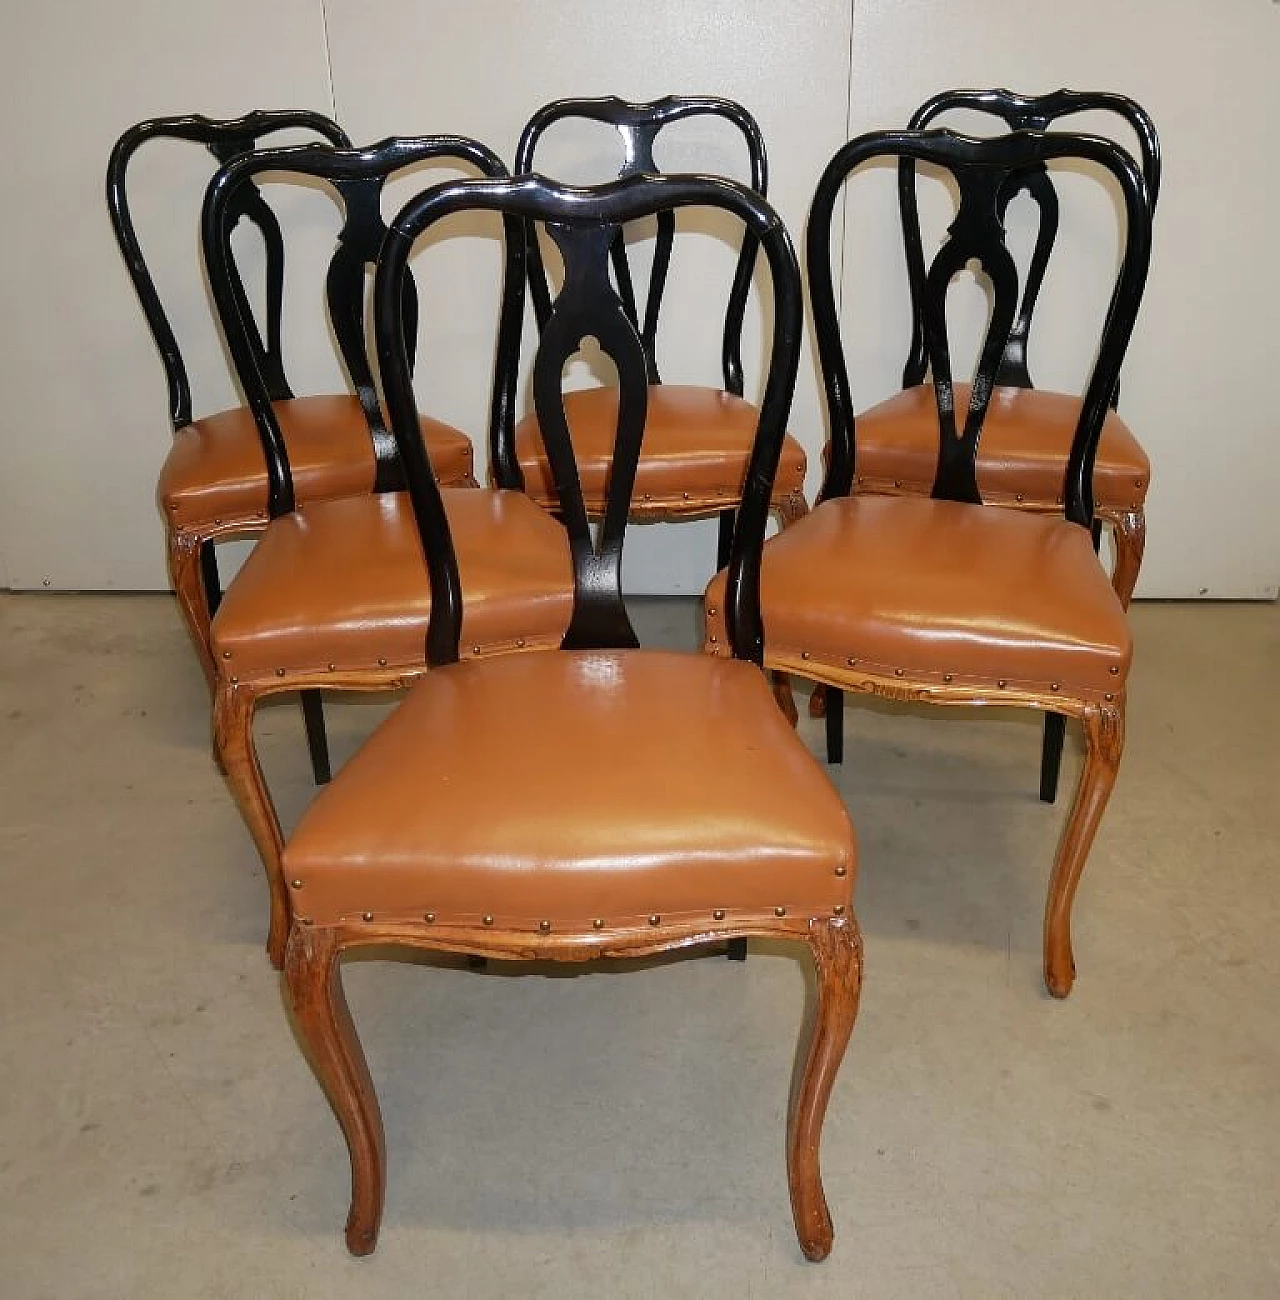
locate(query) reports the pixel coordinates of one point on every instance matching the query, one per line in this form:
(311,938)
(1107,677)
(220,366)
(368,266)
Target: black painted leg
(835,725)
(317,740)
(724,538)
(737,950)
(209,572)
(1055,730)
(476,962)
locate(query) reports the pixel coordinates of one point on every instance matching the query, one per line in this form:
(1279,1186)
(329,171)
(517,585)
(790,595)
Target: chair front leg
(186,572)
(1104,745)
(837,956)
(313,975)
(234,705)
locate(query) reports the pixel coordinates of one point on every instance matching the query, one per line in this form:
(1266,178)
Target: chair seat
(342,585)
(619,785)
(694,456)
(216,471)
(1022,454)
(940,592)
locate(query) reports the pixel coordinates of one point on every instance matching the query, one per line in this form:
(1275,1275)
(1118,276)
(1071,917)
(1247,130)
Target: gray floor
(620,1133)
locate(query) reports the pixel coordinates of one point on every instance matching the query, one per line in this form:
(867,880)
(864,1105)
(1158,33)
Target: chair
(335,595)
(215,483)
(667,802)
(697,439)
(940,598)
(1027,433)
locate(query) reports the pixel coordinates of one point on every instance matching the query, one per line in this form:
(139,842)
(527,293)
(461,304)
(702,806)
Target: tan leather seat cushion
(696,445)
(216,469)
(1026,439)
(575,786)
(982,593)
(345,583)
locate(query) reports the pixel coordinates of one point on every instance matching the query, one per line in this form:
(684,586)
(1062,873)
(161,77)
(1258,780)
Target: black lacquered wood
(1019,112)
(981,170)
(356,178)
(638,126)
(584,222)
(225,139)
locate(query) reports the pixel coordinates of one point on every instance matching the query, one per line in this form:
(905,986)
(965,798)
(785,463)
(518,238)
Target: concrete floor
(622,1136)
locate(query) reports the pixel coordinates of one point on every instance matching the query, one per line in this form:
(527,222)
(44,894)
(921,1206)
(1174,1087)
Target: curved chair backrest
(638,126)
(225,139)
(1020,113)
(585,223)
(982,170)
(356,177)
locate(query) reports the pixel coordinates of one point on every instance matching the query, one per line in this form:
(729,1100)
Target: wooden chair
(1027,433)
(597,801)
(940,598)
(697,439)
(215,484)
(335,594)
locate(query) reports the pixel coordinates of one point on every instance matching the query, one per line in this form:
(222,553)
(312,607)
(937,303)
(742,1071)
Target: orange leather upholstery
(696,445)
(1022,454)
(216,471)
(942,592)
(342,585)
(688,793)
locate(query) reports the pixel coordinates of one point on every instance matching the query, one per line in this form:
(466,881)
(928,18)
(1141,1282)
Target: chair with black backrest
(1027,433)
(215,484)
(698,438)
(335,594)
(596,801)
(941,598)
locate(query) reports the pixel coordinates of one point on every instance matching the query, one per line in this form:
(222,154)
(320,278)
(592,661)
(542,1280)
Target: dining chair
(941,598)
(335,594)
(698,437)
(1027,432)
(600,800)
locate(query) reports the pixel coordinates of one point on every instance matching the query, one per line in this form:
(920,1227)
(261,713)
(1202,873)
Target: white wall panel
(1195,386)
(482,68)
(86,426)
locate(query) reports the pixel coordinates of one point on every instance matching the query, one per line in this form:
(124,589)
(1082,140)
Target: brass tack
(598,923)
(488,920)
(279,672)
(305,920)
(234,680)
(838,910)
(713,639)
(718,914)
(544,926)
(648,496)
(520,644)
(430,918)
(226,654)
(804,654)
(655,919)
(333,668)
(217,521)
(382,663)
(711,613)
(860,479)
(948,677)
(1053,686)
(1137,482)
(1108,697)
(1002,684)
(897,482)
(842,870)
(851,662)
(779,911)
(297,884)
(368,916)
(898,672)
(1018,497)
(685,495)
(475,649)
(1114,670)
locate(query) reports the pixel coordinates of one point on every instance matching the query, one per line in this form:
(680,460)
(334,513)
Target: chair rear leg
(313,975)
(737,950)
(724,537)
(1055,730)
(837,955)
(1104,740)
(834,713)
(317,737)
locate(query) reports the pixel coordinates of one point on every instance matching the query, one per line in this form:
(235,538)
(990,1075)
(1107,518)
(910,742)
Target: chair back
(356,178)
(1020,113)
(982,170)
(585,223)
(225,139)
(638,126)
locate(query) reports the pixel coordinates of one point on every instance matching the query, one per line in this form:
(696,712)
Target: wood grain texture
(1129,531)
